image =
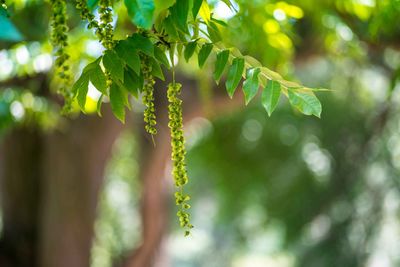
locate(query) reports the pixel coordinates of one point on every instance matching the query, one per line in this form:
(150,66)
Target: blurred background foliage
(282,191)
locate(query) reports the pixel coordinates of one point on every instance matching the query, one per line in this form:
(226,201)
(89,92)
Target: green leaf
(234,75)
(142,43)
(80,88)
(117,100)
(141,12)
(92,3)
(306,102)
(250,85)
(204,53)
(189,50)
(220,64)
(213,32)
(270,96)
(132,82)
(8,31)
(129,54)
(156,69)
(114,65)
(179,14)
(162,4)
(205,12)
(196,7)
(99,104)
(98,79)
(159,54)
(96,75)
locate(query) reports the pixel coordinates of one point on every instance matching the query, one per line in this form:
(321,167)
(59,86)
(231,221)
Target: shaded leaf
(179,14)
(196,7)
(213,32)
(204,53)
(142,43)
(117,101)
(114,65)
(156,70)
(250,85)
(161,56)
(98,79)
(132,82)
(270,96)
(129,54)
(189,50)
(234,75)
(220,64)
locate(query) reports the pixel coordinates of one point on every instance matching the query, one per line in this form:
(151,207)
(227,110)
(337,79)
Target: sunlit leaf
(205,12)
(306,102)
(270,96)
(220,64)
(234,75)
(250,85)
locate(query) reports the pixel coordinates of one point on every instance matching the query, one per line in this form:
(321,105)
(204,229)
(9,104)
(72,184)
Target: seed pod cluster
(86,15)
(179,171)
(106,34)
(148,98)
(59,40)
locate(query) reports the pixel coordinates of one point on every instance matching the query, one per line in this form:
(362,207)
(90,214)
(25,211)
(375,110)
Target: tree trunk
(49,191)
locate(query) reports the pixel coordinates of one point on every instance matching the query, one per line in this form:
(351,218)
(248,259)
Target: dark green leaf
(156,69)
(132,82)
(220,64)
(250,85)
(129,54)
(139,42)
(189,50)
(114,65)
(306,102)
(213,32)
(179,14)
(141,12)
(234,75)
(204,53)
(270,96)
(161,57)
(196,7)
(117,100)
(169,28)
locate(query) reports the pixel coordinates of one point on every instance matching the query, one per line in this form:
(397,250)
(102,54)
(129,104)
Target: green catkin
(148,98)
(59,40)
(104,30)
(85,14)
(179,171)
(106,34)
